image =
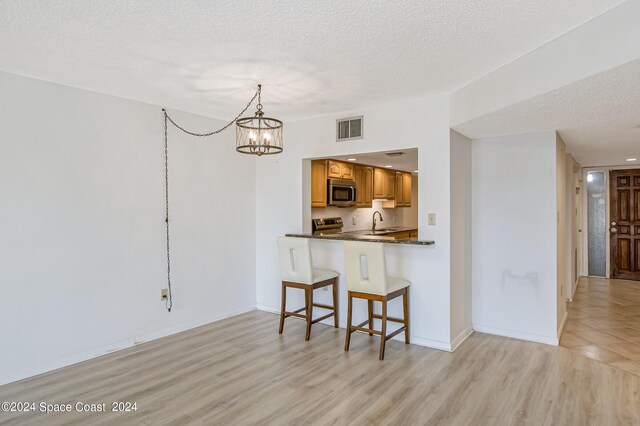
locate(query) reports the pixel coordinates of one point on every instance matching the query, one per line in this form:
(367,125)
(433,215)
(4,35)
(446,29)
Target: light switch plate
(432,219)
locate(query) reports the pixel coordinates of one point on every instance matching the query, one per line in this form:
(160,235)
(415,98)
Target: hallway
(604,322)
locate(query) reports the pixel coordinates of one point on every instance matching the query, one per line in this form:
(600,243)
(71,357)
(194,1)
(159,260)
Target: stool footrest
(322,318)
(365,330)
(299,310)
(320,305)
(376,316)
(398,331)
(294,314)
(362,323)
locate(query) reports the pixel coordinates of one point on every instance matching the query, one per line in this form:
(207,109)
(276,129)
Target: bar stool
(366,272)
(297,271)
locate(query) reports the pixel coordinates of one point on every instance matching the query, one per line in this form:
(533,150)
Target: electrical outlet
(432,219)
(164,294)
(353,220)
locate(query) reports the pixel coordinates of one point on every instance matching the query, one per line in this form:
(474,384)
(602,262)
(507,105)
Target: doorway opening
(597,221)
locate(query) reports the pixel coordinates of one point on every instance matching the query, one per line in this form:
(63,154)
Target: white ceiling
(598,118)
(407,162)
(312,57)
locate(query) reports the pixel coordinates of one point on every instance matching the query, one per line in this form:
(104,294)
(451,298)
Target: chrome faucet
(373,227)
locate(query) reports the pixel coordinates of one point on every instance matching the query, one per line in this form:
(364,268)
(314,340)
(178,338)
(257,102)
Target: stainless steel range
(327,226)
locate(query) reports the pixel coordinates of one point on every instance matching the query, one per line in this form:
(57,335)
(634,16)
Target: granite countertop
(382,237)
(390,230)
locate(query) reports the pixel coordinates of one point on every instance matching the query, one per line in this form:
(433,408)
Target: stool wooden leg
(383,336)
(349,305)
(370,309)
(405,304)
(309,297)
(283,308)
(335,302)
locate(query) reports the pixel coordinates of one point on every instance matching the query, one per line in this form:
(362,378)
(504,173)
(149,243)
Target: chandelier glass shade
(258,135)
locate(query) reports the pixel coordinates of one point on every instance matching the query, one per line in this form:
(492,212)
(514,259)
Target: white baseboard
(107,349)
(431,343)
(415,340)
(575,287)
(266,308)
(516,334)
(561,328)
(461,338)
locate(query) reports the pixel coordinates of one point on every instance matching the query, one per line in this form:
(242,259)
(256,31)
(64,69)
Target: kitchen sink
(381,232)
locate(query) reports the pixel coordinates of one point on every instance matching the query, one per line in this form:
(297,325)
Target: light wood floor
(604,322)
(239,371)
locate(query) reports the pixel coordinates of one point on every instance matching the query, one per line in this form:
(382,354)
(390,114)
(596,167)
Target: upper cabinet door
(399,193)
(389,185)
(406,189)
(319,183)
(379,177)
(359,178)
(346,169)
(340,170)
(333,169)
(367,196)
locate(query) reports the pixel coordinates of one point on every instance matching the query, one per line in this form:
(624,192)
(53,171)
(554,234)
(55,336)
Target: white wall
(563,243)
(515,236)
(421,123)
(82,237)
(461,214)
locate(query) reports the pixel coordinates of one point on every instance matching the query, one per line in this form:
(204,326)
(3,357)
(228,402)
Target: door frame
(585,215)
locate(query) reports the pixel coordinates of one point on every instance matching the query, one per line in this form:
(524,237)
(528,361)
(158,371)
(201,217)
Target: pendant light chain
(169,301)
(167,119)
(257,95)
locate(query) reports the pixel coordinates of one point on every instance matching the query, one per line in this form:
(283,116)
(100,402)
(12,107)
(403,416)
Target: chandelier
(259,135)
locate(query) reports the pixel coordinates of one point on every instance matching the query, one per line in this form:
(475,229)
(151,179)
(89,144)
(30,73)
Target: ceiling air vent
(349,128)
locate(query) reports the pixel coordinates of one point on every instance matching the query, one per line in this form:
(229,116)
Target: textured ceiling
(598,118)
(313,57)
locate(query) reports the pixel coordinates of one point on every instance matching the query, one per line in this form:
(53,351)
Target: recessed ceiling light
(632,159)
(351,159)
(388,167)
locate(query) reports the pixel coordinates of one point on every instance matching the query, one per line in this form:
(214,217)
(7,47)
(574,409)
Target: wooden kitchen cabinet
(378,183)
(406,189)
(399,193)
(389,186)
(339,170)
(383,184)
(319,183)
(402,184)
(364,186)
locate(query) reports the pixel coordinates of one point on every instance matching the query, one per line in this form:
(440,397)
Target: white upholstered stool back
(295,260)
(365,267)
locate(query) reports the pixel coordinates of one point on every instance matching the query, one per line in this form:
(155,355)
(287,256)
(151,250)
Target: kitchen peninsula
(331,229)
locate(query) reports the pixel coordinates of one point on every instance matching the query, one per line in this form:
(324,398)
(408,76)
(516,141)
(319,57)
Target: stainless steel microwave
(341,192)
